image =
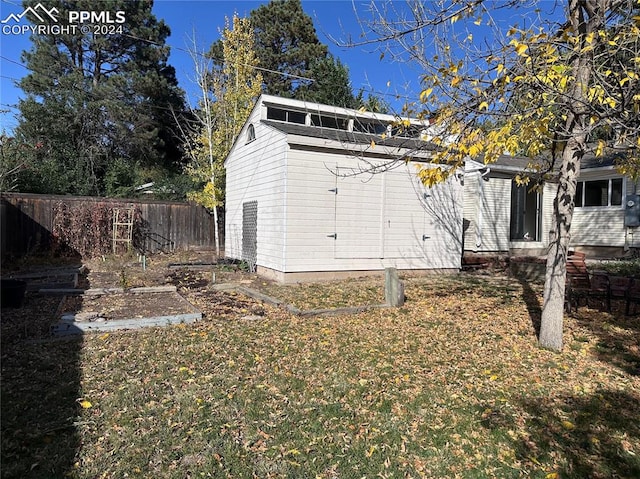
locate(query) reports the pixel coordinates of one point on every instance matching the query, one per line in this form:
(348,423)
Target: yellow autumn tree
(552,84)
(228,95)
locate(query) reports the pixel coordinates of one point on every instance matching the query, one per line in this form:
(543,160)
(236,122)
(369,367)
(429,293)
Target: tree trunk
(556,272)
(577,121)
(216,233)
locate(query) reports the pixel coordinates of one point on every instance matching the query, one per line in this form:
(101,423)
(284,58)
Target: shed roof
(351,137)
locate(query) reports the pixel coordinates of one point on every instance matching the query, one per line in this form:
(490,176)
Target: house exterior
(316,191)
(502,217)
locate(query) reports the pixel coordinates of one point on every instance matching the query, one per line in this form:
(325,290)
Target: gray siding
(599,226)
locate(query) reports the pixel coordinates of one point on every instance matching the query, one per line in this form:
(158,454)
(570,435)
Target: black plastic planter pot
(12,292)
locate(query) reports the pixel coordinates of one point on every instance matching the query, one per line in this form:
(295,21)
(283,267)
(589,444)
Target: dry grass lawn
(452,384)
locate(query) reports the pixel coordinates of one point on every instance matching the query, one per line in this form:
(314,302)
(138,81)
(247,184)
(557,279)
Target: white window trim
(609,191)
(251,134)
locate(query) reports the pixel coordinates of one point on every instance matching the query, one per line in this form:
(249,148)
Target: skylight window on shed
(404,131)
(375,128)
(332,122)
(289,116)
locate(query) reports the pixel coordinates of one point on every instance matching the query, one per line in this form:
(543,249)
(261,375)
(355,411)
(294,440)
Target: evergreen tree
(372,103)
(15,160)
(287,43)
(99,104)
(331,84)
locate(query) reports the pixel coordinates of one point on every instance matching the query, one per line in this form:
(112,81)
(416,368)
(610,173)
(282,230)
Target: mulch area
(126,305)
(39,312)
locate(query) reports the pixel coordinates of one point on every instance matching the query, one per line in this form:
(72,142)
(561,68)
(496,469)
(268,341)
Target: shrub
(621,267)
(86,228)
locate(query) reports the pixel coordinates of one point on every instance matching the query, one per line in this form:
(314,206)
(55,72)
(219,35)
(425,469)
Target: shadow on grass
(618,336)
(591,436)
(39,387)
(595,435)
(532,300)
(40,384)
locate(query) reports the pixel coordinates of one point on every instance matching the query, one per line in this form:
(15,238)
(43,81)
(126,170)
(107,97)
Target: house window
(251,134)
(526,217)
(276,114)
(403,131)
(599,192)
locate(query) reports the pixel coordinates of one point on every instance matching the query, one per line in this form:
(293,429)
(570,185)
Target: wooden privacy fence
(38,223)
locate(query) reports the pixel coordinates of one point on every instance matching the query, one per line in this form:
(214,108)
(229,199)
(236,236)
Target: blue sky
(206,17)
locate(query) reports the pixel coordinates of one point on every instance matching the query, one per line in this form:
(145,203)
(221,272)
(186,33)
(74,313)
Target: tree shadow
(40,384)
(531,298)
(591,433)
(40,388)
(594,435)
(618,336)
(25,223)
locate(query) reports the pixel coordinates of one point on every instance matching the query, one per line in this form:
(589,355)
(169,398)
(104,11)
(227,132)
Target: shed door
(406,224)
(421,223)
(442,243)
(250,233)
(359,211)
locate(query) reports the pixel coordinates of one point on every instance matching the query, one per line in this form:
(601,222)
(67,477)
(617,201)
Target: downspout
(480,216)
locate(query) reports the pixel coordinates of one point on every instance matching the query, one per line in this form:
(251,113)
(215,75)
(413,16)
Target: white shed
(302,204)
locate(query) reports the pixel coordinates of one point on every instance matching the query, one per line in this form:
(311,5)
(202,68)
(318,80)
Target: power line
(267,70)
(189,52)
(75,87)
(9,78)
(184,50)
(284,74)
(14,62)
(371,91)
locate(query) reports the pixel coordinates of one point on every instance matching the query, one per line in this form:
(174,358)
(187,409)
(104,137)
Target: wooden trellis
(123,227)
